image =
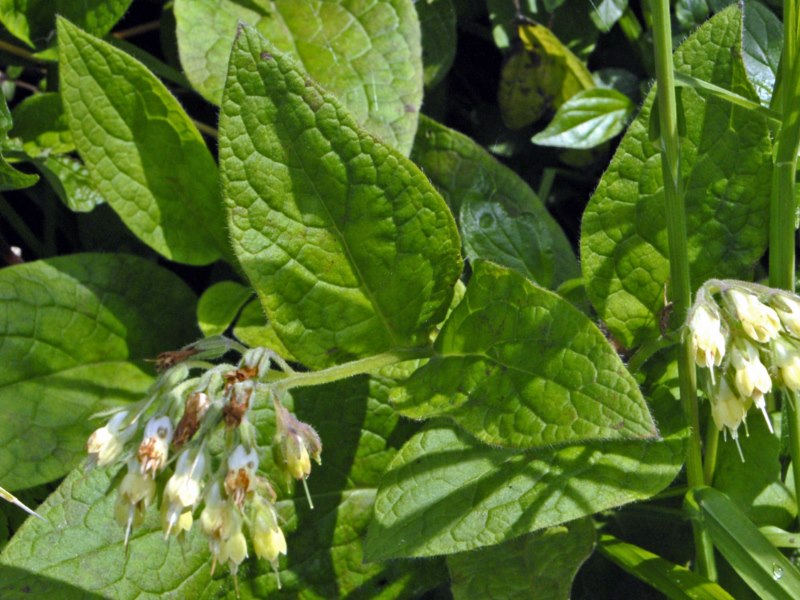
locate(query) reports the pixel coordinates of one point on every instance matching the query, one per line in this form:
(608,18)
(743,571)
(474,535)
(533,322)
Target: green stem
(17,51)
(711,447)
(679,263)
(350,369)
(782,201)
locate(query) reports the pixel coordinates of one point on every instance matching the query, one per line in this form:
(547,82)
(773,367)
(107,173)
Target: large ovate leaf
(350,249)
(502,218)
(545,561)
(34,21)
(69,179)
(366,53)
(725,165)
(81,544)
(142,150)
(445,492)
(75,333)
(519,366)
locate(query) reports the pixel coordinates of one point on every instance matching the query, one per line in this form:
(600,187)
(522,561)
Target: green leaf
(219,305)
(726,168)
(542,74)
(607,12)
(69,179)
(143,153)
(768,572)
(10,178)
(252,329)
(33,21)
(587,120)
(528,239)
(351,250)
(76,331)
(755,485)
(445,492)
(366,53)
(762,42)
(519,366)
(81,544)
(40,123)
(437,20)
(674,581)
(545,561)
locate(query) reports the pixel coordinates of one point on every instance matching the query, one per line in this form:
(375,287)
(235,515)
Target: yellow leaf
(539,76)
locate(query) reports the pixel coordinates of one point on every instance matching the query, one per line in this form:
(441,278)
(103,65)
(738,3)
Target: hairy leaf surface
(350,249)
(74,335)
(726,170)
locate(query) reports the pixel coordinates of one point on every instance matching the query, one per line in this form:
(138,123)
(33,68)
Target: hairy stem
(680,282)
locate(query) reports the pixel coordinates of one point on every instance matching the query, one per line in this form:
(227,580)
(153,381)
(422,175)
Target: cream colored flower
(183,488)
(727,409)
(787,359)
(752,378)
(154,449)
(242,466)
(708,340)
(788,310)
(136,492)
(105,444)
(760,322)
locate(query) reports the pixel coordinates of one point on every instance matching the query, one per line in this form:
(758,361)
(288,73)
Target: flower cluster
(167,436)
(749,341)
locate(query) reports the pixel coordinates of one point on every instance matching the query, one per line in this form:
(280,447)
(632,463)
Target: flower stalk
(680,282)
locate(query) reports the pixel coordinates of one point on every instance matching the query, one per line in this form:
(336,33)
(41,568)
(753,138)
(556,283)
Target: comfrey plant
(166,438)
(748,338)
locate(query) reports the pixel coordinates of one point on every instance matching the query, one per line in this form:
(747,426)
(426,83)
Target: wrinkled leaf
(367,54)
(529,240)
(69,179)
(541,75)
(587,120)
(545,561)
(762,42)
(76,331)
(143,153)
(34,21)
(445,492)
(252,329)
(437,20)
(350,249)
(219,305)
(519,366)
(726,168)
(81,544)
(40,123)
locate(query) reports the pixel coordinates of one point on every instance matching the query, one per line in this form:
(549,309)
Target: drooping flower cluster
(167,436)
(749,340)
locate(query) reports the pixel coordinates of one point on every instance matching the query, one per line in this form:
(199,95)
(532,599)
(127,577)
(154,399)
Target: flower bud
(760,322)
(787,359)
(154,448)
(105,445)
(788,310)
